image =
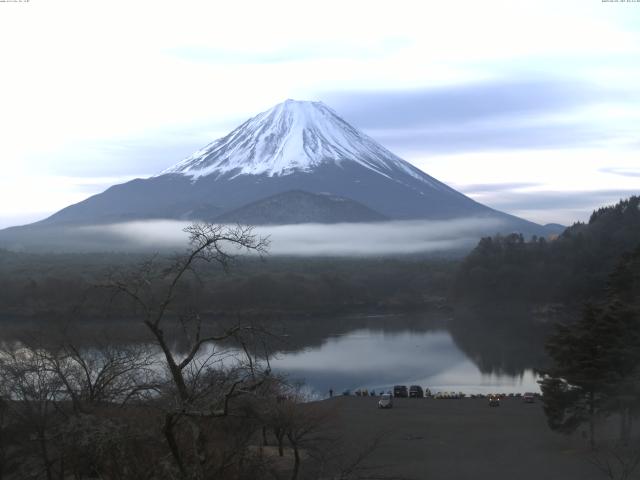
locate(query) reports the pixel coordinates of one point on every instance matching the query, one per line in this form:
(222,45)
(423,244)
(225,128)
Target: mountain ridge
(294,146)
(298,206)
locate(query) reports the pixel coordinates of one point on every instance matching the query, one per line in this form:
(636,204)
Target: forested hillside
(38,285)
(568,269)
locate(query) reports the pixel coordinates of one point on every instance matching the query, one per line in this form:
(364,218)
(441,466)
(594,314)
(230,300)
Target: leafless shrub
(618,461)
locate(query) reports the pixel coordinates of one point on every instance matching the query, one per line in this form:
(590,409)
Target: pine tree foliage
(570,269)
(596,369)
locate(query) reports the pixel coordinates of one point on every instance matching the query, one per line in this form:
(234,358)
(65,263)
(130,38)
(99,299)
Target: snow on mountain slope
(295,146)
(294,136)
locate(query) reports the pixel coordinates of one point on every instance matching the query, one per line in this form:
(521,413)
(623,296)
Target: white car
(386,401)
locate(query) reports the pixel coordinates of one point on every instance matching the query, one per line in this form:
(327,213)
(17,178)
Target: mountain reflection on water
(469,351)
(443,355)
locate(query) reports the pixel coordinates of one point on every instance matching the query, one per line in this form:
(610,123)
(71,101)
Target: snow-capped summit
(296,162)
(293,136)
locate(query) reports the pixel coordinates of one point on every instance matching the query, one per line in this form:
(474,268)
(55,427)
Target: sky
(531,107)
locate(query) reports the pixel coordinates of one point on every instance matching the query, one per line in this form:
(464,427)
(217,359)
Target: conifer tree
(596,369)
(574,388)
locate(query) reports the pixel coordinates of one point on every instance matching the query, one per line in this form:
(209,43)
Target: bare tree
(59,397)
(4,410)
(204,378)
(619,461)
(192,405)
(102,373)
(308,433)
(31,391)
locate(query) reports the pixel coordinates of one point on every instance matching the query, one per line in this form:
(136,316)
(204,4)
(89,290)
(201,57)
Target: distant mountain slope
(554,228)
(296,206)
(572,268)
(249,176)
(293,146)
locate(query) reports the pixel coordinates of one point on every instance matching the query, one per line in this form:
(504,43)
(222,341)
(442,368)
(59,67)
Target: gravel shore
(463,439)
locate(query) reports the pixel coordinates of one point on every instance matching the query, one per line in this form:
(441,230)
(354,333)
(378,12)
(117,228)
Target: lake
(475,353)
(377,352)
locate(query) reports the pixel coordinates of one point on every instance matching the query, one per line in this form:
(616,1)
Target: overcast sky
(529,106)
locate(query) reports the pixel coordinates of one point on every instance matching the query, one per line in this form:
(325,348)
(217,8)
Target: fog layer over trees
(203,411)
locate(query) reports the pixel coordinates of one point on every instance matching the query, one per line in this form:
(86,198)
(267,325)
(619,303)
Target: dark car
(528,397)
(415,391)
(400,391)
(494,401)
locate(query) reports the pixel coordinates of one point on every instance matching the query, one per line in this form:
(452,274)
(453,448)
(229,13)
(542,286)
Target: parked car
(400,391)
(386,401)
(528,397)
(494,401)
(415,391)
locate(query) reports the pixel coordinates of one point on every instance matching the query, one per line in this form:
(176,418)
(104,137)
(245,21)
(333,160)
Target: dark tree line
(568,269)
(47,286)
(596,371)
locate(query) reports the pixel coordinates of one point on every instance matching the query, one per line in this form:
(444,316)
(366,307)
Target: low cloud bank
(344,239)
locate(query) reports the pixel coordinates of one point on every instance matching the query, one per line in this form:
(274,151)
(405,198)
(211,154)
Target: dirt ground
(463,439)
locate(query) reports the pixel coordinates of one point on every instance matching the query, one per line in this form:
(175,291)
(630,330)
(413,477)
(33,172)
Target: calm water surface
(378,351)
(379,357)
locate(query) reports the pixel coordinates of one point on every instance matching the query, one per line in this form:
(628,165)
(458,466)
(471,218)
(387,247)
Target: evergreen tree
(569,269)
(622,313)
(574,388)
(596,368)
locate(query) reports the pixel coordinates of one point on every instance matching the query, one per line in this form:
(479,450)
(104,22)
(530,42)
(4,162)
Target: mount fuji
(297,162)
